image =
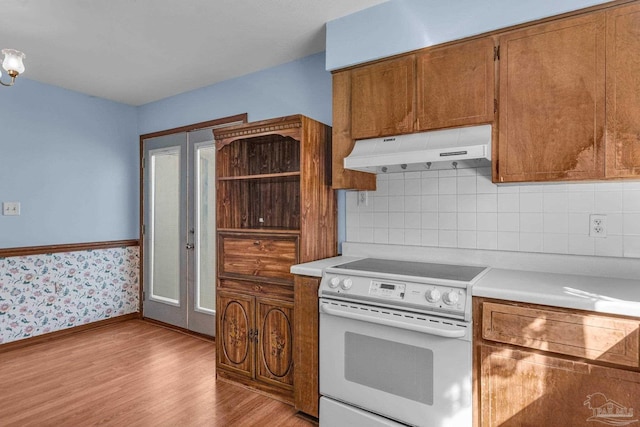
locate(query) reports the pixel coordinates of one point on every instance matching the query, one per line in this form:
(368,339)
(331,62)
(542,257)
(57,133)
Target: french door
(179,245)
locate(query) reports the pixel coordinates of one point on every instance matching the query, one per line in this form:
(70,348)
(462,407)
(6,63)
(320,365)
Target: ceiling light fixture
(12,64)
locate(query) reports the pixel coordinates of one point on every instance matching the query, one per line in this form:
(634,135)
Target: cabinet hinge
(496,53)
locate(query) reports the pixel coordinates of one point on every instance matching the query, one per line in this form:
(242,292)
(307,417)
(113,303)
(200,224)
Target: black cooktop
(462,273)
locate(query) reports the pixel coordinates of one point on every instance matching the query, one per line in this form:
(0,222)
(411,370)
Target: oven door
(412,368)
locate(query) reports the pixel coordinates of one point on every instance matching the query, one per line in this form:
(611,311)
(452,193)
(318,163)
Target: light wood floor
(131,373)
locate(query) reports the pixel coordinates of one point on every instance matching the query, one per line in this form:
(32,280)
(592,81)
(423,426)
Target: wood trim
(71,247)
(496,32)
(185,331)
(64,332)
(202,125)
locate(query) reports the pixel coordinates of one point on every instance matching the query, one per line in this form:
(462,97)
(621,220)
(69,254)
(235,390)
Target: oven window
(399,369)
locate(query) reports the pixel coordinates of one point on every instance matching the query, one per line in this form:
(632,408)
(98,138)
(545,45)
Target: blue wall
(71,160)
(399,26)
(298,87)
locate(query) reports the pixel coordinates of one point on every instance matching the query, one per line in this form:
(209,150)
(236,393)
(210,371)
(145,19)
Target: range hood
(467,147)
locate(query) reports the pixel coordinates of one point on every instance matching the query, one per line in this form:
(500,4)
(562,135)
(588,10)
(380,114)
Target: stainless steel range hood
(466,147)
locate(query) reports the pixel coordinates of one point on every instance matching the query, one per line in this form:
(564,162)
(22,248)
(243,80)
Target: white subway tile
(582,186)
(551,187)
(508,241)
(381,235)
(429,174)
(466,221)
(531,202)
(609,246)
(429,186)
(608,186)
(608,201)
(396,219)
(582,201)
(382,188)
(466,184)
(531,223)
(508,202)
(487,240)
(508,222)
(396,187)
(447,221)
(429,220)
(631,185)
(447,203)
(447,185)
(412,220)
(615,224)
(351,201)
(487,221)
(429,203)
(531,242)
(556,202)
(467,239)
(352,234)
(485,186)
(632,246)
(556,223)
(412,237)
(412,175)
(380,203)
(466,203)
(352,221)
(581,245)
(412,187)
(396,236)
(381,220)
(631,201)
(466,172)
(508,189)
(365,235)
(366,219)
(555,243)
(631,223)
(447,173)
(396,203)
(429,237)
(579,224)
(395,176)
(448,238)
(412,203)
(531,188)
(487,203)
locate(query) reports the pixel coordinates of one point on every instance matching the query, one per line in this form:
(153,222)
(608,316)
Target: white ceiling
(139,51)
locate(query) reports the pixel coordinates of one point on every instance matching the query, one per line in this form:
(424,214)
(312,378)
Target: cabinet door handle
(189,246)
(257,243)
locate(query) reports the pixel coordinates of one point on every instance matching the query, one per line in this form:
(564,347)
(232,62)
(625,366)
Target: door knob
(189,246)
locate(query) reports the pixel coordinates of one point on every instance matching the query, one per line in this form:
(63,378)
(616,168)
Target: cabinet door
(519,388)
(456,85)
(275,342)
(382,98)
(235,332)
(623,92)
(551,110)
(341,141)
(306,355)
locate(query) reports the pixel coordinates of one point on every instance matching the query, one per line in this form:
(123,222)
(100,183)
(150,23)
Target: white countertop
(606,285)
(599,294)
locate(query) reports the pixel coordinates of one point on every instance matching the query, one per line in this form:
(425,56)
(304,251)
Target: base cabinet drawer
(257,256)
(520,388)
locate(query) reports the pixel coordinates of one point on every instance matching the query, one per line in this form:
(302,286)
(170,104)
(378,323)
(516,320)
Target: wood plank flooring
(131,373)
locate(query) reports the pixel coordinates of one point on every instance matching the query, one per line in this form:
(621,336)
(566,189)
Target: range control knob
(432,295)
(334,282)
(451,298)
(346,284)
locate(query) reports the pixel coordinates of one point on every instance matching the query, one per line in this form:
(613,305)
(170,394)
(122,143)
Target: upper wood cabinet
(382,97)
(456,85)
(552,101)
(623,92)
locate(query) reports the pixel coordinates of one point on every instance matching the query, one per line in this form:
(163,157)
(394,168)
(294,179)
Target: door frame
(240,118)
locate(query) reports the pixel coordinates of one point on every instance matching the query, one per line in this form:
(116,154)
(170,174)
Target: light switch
(10,208)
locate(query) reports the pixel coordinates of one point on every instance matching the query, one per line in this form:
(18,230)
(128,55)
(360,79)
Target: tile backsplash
(464,209)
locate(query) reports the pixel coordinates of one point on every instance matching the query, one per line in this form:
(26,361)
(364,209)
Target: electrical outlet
(363,198)
(10,208)
(597,225)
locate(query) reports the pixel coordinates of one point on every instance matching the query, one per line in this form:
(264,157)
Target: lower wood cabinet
(528,372)
(255,342)
(306,354)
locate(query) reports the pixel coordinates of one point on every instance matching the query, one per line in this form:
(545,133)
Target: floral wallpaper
(50,292)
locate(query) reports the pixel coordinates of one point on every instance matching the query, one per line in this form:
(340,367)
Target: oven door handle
(431,330)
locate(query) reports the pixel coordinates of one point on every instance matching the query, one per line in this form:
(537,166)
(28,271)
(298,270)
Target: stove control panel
(423,296)
(387,290)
